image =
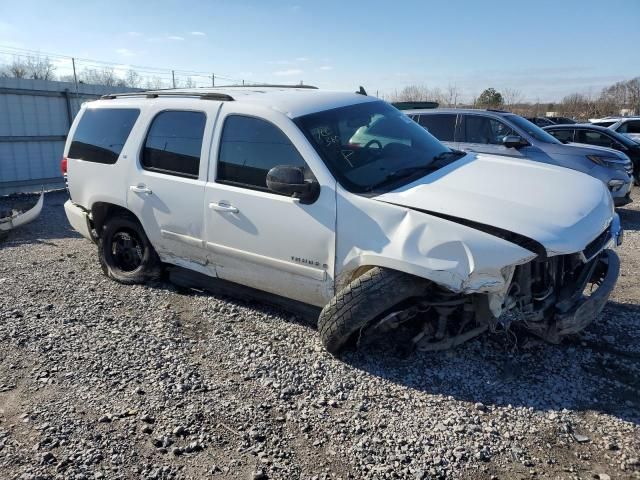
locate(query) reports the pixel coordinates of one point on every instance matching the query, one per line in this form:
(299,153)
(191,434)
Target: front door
(259,238)
(166,183)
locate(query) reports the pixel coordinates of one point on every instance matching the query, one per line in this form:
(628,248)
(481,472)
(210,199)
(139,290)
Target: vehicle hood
(574,149)
(559,208)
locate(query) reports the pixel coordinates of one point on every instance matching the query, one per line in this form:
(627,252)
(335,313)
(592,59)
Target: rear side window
(102,133)
(441,126)
(174,143)
(249,148)
(564,135)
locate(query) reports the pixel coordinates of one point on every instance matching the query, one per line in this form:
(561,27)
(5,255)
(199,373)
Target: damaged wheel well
(101,211)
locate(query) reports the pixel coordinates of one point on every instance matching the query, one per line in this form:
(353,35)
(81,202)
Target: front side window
(102,133)
(373,146)
(249,148)
(593,138)
(531,129)
(565,135)
(484,130)
(442,126)
(174,143)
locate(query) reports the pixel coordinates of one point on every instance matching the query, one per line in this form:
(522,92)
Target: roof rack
(415,105)
(160,93)
(271,85)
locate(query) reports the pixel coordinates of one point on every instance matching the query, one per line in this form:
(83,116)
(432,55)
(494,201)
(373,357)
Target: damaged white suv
(340,201)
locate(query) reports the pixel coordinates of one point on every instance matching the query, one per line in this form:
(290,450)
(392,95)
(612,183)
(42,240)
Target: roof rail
(497,110)
(272,85)
(160,93)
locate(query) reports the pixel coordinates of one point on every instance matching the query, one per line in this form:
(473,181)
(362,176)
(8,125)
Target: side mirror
(289,180)
(514,141)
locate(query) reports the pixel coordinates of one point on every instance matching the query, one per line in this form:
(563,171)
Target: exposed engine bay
(549,297)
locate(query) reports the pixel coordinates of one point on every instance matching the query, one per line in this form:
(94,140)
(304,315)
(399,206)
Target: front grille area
(597,244)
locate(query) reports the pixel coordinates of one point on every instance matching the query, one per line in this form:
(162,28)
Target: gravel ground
(101,380)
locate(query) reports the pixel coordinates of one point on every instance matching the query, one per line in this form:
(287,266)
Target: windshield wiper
(449,155)
(401,173)
(436,163)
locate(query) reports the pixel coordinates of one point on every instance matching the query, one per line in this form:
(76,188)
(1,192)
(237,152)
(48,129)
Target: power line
(88,62)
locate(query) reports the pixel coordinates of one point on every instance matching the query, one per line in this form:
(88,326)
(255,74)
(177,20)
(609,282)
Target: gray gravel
(101,380)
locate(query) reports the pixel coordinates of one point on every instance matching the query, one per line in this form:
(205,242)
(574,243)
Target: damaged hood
(561,209)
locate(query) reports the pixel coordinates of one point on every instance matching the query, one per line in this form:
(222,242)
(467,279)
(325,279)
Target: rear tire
(365,299)
(125,253)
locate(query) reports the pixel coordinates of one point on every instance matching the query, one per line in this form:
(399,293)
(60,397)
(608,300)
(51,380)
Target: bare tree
(512,97)
(18,69)
(132,79)
(452,95)
(40,68)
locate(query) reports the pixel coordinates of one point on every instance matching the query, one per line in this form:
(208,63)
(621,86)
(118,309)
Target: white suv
(629,126)
(268,187)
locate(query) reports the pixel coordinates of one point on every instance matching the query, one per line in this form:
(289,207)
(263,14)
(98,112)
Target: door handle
(140,189)
(223,207)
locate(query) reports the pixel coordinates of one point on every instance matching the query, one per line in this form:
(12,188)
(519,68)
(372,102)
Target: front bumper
(586,309)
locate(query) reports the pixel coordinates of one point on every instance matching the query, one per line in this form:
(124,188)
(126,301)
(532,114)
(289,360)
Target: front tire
(125,253)
(365,299)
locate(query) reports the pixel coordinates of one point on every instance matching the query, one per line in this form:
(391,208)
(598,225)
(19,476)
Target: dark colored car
(562,120)
(602,137)
(541,121)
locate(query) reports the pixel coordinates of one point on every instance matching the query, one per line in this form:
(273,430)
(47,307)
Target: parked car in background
(590,134)
(268,187)
(541,121)
(561,120)
(629,126)
(504,133)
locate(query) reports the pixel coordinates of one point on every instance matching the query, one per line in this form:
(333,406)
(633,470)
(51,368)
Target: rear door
(592,137)
(254,236)
(166,182)
(442,126)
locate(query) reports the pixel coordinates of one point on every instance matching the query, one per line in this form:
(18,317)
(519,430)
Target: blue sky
(546,49)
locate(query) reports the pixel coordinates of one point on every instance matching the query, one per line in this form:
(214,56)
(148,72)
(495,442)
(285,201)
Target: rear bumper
(588,308)
(79,219)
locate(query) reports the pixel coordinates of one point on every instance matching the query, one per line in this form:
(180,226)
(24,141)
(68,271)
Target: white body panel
(305,252)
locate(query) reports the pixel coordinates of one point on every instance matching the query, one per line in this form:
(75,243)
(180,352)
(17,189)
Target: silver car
(504,133)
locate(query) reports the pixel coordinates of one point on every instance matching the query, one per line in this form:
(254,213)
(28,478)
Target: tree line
(41,68)
(612,100)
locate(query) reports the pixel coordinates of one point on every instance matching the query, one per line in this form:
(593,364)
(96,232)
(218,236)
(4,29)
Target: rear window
(604,124)
(101,134)
(441,126)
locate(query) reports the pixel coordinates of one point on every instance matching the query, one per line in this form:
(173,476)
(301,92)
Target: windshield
(531,129)
(372,145)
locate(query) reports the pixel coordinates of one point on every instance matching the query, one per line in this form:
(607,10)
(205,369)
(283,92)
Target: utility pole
(213,79)
(173,77)
(75,77)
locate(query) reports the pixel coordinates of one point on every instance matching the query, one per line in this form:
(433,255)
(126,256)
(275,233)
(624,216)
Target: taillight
(63,166)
